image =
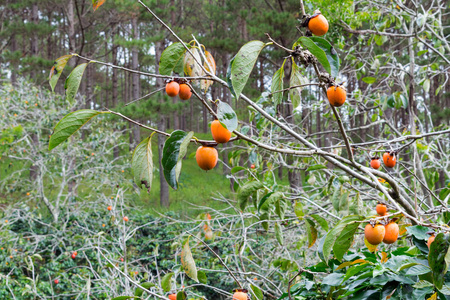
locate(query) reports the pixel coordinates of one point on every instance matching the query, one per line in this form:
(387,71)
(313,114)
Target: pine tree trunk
(34,37)
(135,66)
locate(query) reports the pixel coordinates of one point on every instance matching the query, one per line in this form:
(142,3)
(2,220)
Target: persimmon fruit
(110,208)
(206,157)
(389,159)
(56,281)
(374,234)
(318,25)
(336,95)
(391,233)
(240,296)
(430,240)
(172,88)
(220,134)
(185,92)
(375,163)
(125,219)
(173,296)
(252,166)
(381,209)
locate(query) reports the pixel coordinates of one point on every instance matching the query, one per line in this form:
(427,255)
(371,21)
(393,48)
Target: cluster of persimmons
(386,231)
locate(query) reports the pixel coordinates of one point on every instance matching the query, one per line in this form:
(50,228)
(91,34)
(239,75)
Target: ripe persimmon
(381,209)
(240,296)
(173,296)
(172,88)
(336,95)
(318,24)
(374,234)
(125,219)
(110,208)
(375,163)
(220,134)
(391,233)
(252,166)
(206,157)
(185,92)
(389,159)
(430,240)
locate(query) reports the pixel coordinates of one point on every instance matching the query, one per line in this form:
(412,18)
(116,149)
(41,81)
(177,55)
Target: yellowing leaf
(210,62)
(384,257)
(187,261)
(97,3)
(351,263)
(190,63)
(372,248)
(433,297)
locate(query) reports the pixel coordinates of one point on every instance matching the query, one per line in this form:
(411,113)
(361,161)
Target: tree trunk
(135,77)
(34,37)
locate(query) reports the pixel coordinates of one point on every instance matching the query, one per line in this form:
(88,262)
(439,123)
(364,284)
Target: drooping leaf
(279,234)
(187,261)
(316,167)
(171,58)
(335,232)
(277,85)
(181,295)
(322,222)
(298,210)
(202,276)
(73,81)
(246,191)
(296,79)
(227,116)
(229,82)
(257,292)
(165,282)
(70,124)
(372,248)
(439,258)
(146,285)
(311,232)
(97,3)
(316,51)
(192,63)
(280,208)
(57,69)
(330,52)
(142,164)
(344,240)
(243,64)
(369,80)
(269,200)
(174,150)
(210,62)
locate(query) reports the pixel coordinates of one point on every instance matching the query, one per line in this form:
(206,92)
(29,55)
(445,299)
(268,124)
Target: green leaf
(202,277)
(246,191)
(181,295)
(296,79)
(322,222)
(70,124)
(267,201)
(73,82)
(422,284)
(174,150)
(316,51)
(311,232)
(165,282)
(344,240)
(243,64)
(146,285)
(264,217)
(335,233)
(316,167)
(330,52)
(426,85)
(280,208)
(369,80)
(343,202)
(419,232)
(298,210)
(171,58)
(142,164)
(277,85)
(237,169)
(227,116)
(439,258)
(279,234)
(187,261)
(256,292)
(57,69)
(97,3)
(229,81)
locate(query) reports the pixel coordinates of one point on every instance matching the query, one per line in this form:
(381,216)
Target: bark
(135,77)
(164,187)
(71,29)
(34,38)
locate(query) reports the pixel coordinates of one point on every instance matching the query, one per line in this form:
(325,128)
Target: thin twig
(220,259)
(143,97)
